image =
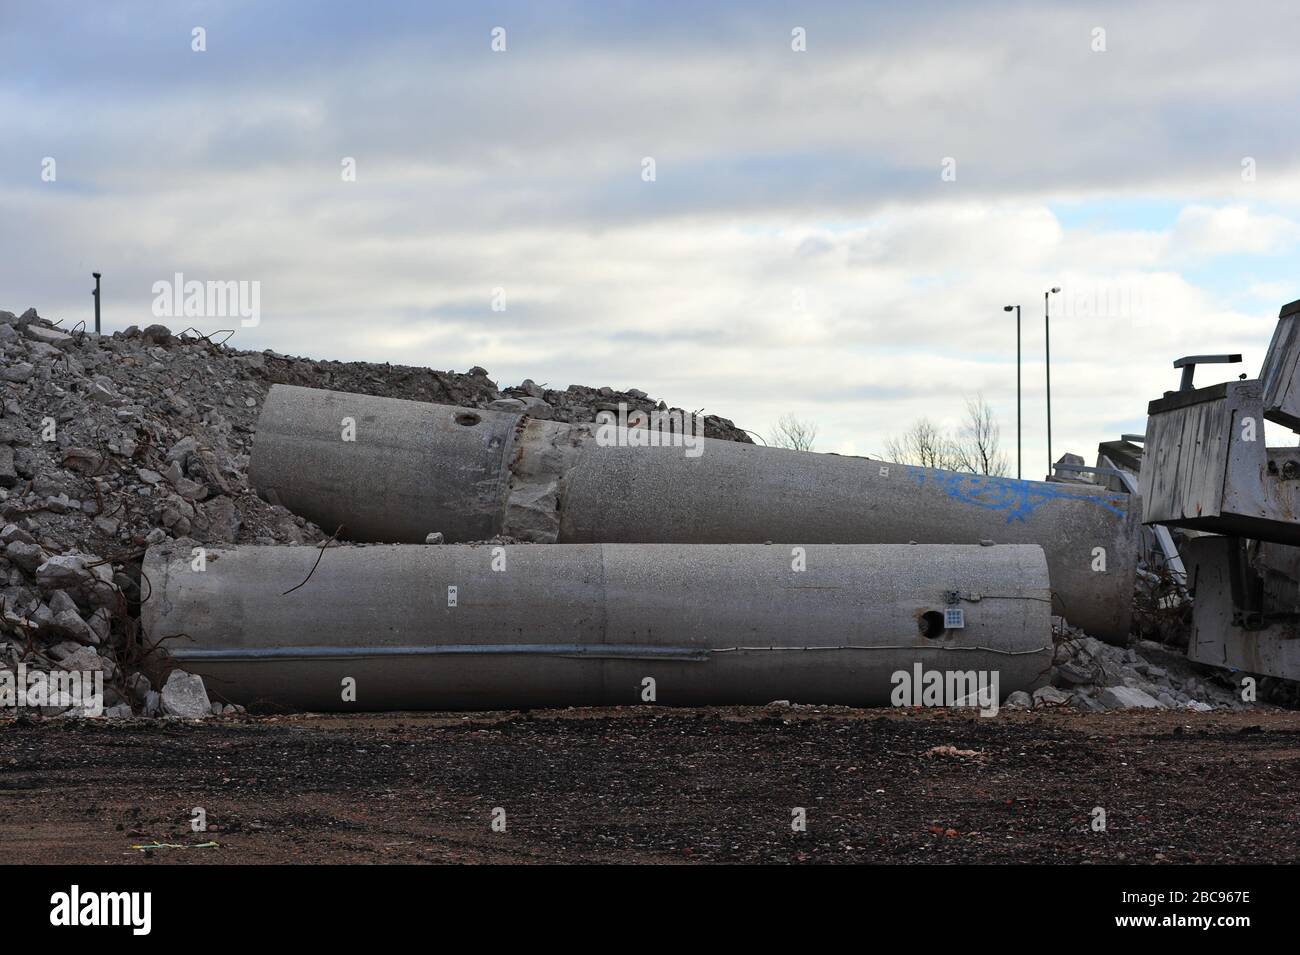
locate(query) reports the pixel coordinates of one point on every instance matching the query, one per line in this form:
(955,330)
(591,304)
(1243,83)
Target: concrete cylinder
(579,483)
(382,467)
(589,624)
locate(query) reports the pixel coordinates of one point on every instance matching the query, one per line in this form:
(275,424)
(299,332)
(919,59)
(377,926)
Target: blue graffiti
(1018,499)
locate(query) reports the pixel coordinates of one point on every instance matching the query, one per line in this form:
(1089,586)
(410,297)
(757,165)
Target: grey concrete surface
(413,470)
(569,625)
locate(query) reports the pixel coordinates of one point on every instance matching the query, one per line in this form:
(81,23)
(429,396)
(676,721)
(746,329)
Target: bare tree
(923,444)
(790,432)
(974,446)
(978,441)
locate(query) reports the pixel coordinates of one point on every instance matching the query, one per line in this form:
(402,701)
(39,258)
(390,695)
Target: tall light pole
(95,292)
(1007,308)
(1047,345)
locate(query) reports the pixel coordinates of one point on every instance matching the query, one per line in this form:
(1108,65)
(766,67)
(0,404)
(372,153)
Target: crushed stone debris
(112,443)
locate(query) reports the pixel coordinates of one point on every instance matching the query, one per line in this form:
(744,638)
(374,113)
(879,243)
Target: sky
(751,209)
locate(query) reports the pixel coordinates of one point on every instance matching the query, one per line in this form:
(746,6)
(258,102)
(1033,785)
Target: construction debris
(1092,676)
(110,444)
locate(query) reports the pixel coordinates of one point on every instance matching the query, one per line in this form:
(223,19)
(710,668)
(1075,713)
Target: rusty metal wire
(230,332)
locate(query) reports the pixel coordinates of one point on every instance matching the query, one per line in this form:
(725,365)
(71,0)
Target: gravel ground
(657,785)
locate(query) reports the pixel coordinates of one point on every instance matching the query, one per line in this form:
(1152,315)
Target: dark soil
(657,785)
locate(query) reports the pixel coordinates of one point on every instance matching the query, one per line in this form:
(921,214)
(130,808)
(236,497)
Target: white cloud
(1203,231)
(784,179)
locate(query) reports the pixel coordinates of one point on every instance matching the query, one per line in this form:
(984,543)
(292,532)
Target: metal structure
(1019,469)
(395,471)
(95,292)
(480,627)
(1047,361)
(1208,471)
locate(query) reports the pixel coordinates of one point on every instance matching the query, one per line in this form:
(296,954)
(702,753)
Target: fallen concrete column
(411,468)
(481,627)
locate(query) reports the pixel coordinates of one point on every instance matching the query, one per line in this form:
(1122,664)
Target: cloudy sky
(830,231)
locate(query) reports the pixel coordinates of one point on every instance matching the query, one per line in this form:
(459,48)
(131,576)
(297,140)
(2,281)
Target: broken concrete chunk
(139,687)
(182,449)
(219,521)
(1070,674)
(8,472)
(61,602)
(86,658)
(19,372)
(537,408)
(1127,697)
(100,624)
(1050,696)
(48,336)
(63,572)
(82,460)
(184,696)
(27,556)
(70,622)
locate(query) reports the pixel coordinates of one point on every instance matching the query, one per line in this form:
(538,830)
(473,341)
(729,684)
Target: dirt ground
(657,785)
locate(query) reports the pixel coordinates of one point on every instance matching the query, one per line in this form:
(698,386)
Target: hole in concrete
(468,418)
(931,624)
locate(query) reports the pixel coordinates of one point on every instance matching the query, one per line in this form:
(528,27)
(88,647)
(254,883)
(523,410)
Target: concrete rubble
(1093,676)
(109,444)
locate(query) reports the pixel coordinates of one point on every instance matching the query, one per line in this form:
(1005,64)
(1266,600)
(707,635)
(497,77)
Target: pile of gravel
(1092,676)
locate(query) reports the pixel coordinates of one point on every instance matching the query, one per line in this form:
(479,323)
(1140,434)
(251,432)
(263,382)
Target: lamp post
(1047,346)
(1007,308)
(96,294)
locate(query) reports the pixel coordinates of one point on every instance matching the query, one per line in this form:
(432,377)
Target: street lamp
(95,292)
(1047,345)
(1007,308)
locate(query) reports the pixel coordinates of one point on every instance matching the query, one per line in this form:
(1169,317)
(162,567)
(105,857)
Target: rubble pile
(579,403)
(1093,676)
(109,444)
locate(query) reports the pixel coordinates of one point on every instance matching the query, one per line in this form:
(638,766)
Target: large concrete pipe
(410,468)
(588,624)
